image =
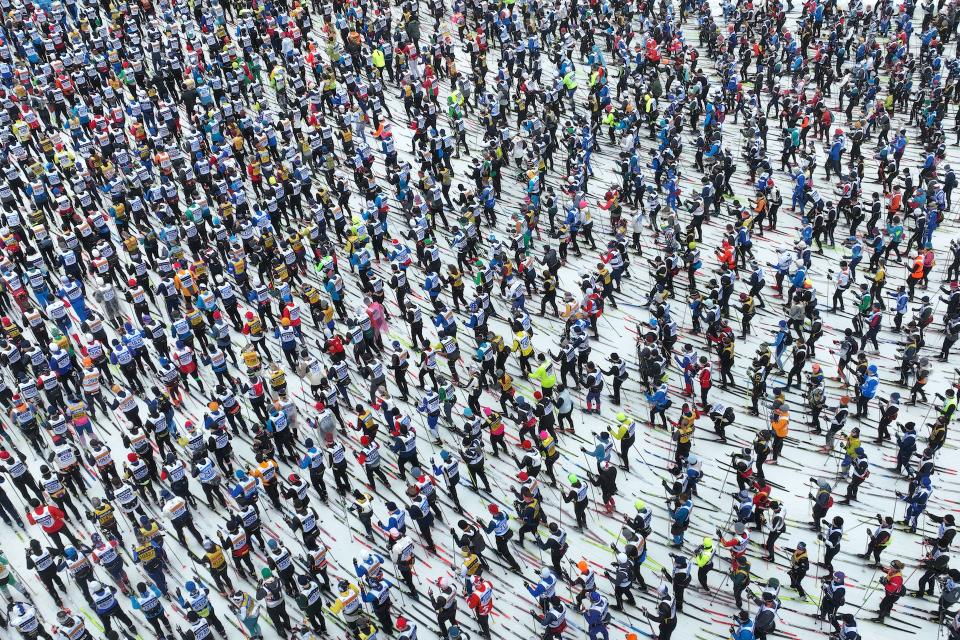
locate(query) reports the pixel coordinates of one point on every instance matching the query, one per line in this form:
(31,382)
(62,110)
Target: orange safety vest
(781,427)
(917,272)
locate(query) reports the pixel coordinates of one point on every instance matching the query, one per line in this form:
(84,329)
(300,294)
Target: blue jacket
(835,150)
(869,387)
(743,631)
(596,615)
(682,514)
(546,586)
(659,397)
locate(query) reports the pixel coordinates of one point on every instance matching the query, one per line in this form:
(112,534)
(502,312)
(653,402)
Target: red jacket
(49,518)
(481,598)
(704,378)
(893,582)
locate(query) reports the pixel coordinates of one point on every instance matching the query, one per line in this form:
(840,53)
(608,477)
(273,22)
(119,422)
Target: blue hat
(444,455)
(240,474)
(272,543)
(191,585)
(71,553)
(164,494)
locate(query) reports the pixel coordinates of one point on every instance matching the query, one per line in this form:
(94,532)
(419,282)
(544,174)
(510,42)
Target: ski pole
(593,488)
(647,465)
(726,577)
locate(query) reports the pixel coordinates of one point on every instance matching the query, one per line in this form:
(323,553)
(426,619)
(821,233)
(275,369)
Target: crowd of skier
(272,266)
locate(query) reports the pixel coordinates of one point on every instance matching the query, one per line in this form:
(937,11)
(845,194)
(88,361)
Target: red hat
(4,455)
(401,623)
(492,508)
(526,444)
(537,395)
(132,457)
(522,476)
(217,315)
(188,424)
(249,315)
(293,477)
(364,440)
(132,282)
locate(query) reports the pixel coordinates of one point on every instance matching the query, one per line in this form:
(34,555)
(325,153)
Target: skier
(833,597)
(893,588)
(108,607)
(147,600)
(480,601)
(665,615)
